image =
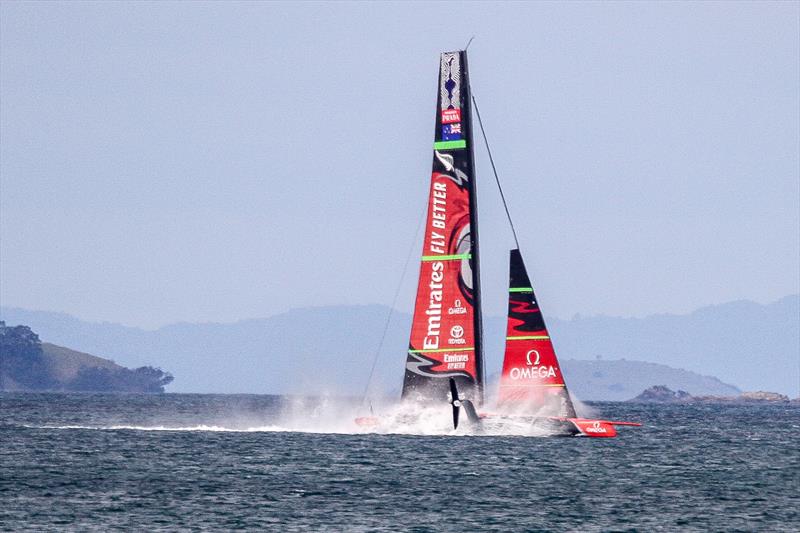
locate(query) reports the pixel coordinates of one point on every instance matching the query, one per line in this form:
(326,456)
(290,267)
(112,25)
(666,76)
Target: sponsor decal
(434,311)
(450,116)
(451,132)
(595,428)
(457,308)
(533,372)
(438,207)
(456,361)
(535,354)
(456,335)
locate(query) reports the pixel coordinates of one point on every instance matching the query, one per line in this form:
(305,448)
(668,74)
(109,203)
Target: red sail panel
(532,381)
(445,332)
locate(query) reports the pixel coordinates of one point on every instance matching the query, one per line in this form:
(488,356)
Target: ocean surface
(98,462)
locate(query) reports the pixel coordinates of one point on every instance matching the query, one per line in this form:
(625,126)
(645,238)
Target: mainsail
(446,329)
(532,381)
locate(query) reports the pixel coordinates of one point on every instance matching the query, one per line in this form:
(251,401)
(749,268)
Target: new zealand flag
(451,132)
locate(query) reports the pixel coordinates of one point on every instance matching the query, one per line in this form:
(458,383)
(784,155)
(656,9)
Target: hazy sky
(166,162)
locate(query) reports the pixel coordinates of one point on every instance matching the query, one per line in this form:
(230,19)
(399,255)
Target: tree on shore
(22,363)
(98,379)
(23,366)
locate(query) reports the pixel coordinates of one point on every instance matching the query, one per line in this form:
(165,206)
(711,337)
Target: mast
(476,263)
(446,332)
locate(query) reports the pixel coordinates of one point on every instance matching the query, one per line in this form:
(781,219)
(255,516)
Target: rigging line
(391,308)
(494,170)
(469,43)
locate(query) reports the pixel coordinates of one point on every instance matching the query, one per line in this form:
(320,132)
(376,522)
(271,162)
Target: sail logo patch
(534,372)
(434,312)
(438,216)
(451,132)
(450,116)
(457,335)
(457,308)
(456,362)
(596,427)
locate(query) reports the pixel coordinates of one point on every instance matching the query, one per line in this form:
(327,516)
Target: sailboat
(445,360)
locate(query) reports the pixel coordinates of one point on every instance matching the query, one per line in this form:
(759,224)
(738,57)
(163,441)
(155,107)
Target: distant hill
(330,349)
(620,380)
(754,346)
(27,364)
(663,394)
(64,364)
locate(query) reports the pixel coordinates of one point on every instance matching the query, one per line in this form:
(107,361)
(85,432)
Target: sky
(210,162)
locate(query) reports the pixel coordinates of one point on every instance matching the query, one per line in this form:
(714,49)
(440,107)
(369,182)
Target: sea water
(187,462)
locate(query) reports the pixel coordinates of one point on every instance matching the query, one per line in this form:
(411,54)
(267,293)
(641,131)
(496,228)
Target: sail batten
(446,339)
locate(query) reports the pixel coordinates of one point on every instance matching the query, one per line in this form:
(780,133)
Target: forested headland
(27,364)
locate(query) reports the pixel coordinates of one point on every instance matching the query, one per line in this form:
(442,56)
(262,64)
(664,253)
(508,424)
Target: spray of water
(582,409)
(332,415)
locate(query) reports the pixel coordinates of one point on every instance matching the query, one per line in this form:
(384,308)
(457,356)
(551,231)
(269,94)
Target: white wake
(330,416)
